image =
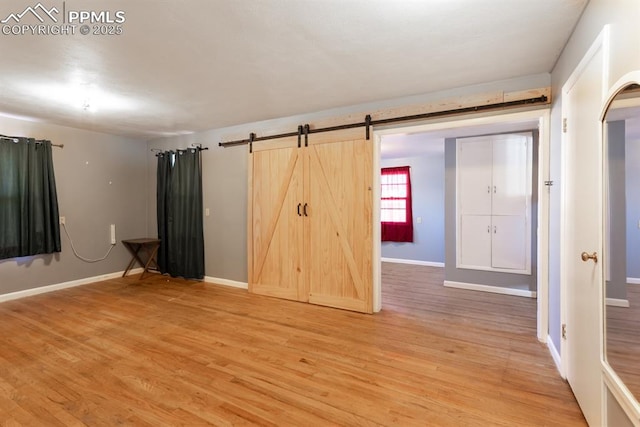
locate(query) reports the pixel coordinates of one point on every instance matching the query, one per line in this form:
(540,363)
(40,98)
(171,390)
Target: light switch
(206,212)
(419,220)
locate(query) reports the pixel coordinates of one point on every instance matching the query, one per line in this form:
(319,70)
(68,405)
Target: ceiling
(182,67)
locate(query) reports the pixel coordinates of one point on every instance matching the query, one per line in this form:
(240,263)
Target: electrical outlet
(63,220)
(113,234)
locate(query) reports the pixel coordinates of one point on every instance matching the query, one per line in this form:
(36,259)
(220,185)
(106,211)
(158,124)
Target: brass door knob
(586,256)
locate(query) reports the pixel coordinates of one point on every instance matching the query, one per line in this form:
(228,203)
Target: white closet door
(474,165)
(511,188)
(475,241)
(509,242)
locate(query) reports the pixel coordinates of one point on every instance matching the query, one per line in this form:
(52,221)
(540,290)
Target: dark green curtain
(29,223)
(179,204)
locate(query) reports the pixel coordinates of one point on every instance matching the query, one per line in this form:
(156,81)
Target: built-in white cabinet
(493,177)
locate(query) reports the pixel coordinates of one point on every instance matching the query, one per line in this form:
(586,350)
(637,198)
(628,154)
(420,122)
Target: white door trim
(544,195)
(543,116)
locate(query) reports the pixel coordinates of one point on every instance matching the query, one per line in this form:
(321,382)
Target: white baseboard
(50,288)
(617,302)
(555,355)
(633,280)
(226,282)
(488,288)
(413,261)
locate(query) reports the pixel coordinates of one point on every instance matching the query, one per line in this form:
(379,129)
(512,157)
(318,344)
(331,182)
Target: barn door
(275,223)
(338,228)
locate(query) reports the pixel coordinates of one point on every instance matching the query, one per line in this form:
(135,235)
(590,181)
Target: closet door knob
(304,209)
(299,204)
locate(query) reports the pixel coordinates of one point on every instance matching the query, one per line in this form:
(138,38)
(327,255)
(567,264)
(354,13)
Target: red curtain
(396,216)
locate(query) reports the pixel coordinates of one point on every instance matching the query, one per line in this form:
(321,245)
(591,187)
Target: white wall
(101,180)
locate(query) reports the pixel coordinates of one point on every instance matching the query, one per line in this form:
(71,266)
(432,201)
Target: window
(28,201)
(395,205)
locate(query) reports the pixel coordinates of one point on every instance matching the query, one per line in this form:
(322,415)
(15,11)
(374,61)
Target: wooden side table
(138,246)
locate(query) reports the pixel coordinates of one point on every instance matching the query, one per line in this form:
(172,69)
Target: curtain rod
(368,122)
(198,147)
(38,141)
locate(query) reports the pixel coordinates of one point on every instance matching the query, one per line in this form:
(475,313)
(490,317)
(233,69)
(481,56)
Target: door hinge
(564,331)
(564,125)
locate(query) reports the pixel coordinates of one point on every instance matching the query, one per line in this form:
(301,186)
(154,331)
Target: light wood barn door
(275,219)
(338,228)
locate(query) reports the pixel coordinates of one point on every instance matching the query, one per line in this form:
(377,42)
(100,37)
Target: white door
(474,166)
(475,240)
(582,231)
(511,174)
(509,242)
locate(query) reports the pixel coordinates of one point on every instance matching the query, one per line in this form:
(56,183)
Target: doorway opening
(422,148)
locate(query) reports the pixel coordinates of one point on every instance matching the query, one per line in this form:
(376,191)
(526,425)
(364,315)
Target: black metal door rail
(305,130)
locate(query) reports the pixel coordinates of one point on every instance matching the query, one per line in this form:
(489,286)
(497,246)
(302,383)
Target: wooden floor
(623,340)
(170,352)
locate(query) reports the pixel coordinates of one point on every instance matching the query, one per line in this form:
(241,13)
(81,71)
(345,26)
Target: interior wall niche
(454,274)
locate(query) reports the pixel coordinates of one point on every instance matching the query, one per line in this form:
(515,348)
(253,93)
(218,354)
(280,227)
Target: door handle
(299,204)
(586,257)
(304,209)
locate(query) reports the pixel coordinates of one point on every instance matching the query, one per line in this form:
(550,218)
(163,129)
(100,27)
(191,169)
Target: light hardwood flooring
(169,352)
(623,340)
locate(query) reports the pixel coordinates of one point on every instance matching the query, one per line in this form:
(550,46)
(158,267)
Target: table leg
(152,256)
(134,257)
(150,249)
